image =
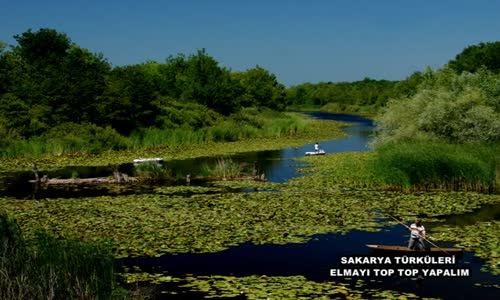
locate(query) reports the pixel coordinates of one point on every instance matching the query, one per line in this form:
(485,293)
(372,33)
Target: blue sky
(298,41)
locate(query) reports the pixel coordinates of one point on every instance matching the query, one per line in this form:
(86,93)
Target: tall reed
(224,168)
(426,165)
(152,171)
(246,124)
(50,268)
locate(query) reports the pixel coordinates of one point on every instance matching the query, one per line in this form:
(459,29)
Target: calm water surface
(313,259)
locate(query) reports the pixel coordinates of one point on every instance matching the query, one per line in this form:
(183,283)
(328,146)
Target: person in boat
(316,148)
(417,236)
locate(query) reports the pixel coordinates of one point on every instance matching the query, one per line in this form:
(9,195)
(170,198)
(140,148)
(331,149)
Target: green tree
(474,57)
(172,76)
(129,100)
(204,82)
(457,108)
(44,47)
(367,94)
(261,88)
(54,77)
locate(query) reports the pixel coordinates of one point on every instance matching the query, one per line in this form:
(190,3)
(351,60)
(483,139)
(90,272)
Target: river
(313,259)
(323,252)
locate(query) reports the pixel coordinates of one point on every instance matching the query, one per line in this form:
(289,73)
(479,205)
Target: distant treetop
(472,58)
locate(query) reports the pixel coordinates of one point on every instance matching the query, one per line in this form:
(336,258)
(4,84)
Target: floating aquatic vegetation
(497,286)
(194,222)
(336,171)
(434,204)
(156,278)
(282,287)
(483,238)
(256,185)
(189,190)
(149,225)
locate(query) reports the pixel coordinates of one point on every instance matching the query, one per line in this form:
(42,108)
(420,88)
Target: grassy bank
(82,139)
(426,165)
(413,166)
(244,125)
(50,268)
(153,143)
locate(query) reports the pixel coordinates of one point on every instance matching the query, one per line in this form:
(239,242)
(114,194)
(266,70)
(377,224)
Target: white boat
(147,160)
(320,152)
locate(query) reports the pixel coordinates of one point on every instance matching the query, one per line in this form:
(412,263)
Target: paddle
(407,227)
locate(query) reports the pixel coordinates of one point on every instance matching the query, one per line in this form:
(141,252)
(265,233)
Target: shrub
(447,107)
(85,137)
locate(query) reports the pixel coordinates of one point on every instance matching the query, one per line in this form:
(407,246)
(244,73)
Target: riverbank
(314,130)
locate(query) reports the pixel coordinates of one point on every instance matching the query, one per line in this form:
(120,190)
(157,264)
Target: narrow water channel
(277,165)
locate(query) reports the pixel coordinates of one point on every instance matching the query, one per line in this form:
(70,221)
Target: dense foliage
(47,81)
(450,107)
(445,135)
(475,57)
(370,95)
(365,96)
(359,96)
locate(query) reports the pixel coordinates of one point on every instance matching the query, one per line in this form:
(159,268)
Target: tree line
(47,81)
(369,95)
(50,85)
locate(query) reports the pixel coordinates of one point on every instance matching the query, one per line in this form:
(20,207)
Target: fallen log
(123,179)
(86,181)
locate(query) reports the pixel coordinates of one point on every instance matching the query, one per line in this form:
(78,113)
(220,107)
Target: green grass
(66,138)
(415,166)
(425,165)
(224,168)
(247,124)
(157,138)
(50,268)
(308,130)
(153,172)
(87,139)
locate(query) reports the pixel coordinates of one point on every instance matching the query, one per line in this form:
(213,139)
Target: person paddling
(417,236)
